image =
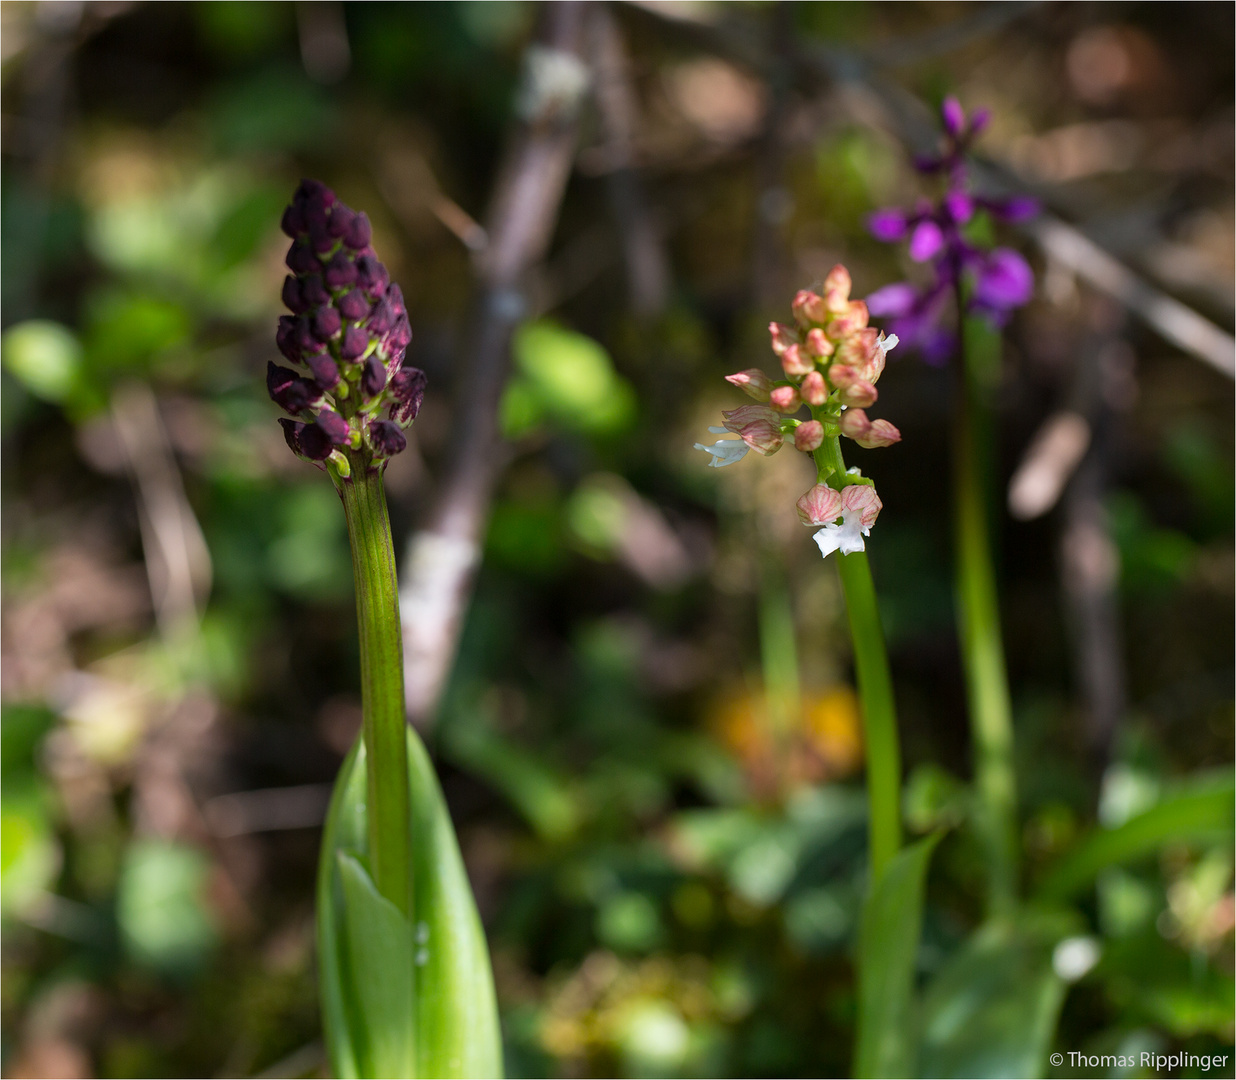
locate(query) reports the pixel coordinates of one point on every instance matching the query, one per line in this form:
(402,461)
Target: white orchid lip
(724,451)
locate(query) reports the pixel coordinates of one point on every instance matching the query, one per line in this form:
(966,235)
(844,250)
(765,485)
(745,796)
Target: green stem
(381,656)
(982,649)
(875,687)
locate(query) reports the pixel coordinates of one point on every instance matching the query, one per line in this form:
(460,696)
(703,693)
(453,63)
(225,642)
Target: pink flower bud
(736,419)
(854,424)
(782,337)
(881,433)
(837,290)
(785,399)
(859,348)
(842,375)
(752,382)
(859,394)
(853,319)
(818,344)
(813,389)
(808,436)
(795,361)
(762,436)
(819,506)
(809,309)
(862,501)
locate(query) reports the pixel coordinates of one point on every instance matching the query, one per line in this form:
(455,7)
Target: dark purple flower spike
(349,329)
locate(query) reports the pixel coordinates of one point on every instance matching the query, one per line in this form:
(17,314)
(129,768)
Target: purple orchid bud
(386,439)
(407,388)
(355,342)
(306,440)
(289,391)
(382,318)
(354,306)
(341,218)
(292,298)
(313,291)
(293,222)
(301,259)
(359,232)
(888,225)
(340,271)
(1005,281)
(325,370)
(979,119)
(325,323)
(303,339)
(371,275)
(953,116)
(373,378)
(400,336)
(335,427)
(893,300)
(320,239)
(925,241)
(285,338)
(959,206)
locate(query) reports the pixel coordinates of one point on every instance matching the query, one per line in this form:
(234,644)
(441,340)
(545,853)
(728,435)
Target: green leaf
(992,1009)
(1202,812)
(452,1018)
(887,952)
(380,956)
(44,356)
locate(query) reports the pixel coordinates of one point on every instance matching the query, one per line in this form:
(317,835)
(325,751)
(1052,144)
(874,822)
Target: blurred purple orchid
(999,280)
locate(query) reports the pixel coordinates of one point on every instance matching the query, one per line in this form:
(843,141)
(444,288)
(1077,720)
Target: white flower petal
(718,430)
(725,451)
(846,537)
(888,344)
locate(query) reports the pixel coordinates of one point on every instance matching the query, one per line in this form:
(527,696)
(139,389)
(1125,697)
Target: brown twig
(648,276)
(441,559)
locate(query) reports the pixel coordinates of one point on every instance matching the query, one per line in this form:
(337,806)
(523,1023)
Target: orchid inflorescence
(996,281)
(831,360)
(349,328)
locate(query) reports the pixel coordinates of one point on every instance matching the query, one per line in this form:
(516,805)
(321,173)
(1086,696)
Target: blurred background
(647,735)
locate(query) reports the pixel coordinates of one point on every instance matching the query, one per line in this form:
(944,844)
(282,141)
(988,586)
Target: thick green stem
(982,648)
(875,687)
(381,656)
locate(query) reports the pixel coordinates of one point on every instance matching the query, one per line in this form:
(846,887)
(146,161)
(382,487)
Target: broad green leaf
(1202,812)
(992,1010)
(887,952)
(380,956)
(453,1017)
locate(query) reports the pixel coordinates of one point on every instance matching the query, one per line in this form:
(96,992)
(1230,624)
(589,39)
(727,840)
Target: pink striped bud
(762,436)
(881,433)
(837,290)
(736,419)
(813,389)
(854,424)
(853,319)
(820,506)
(818,344)
(808,436)
(782,337)
(785,399)
(809,309)
(862,350)
(862,501)
(842,375)
(795,362)
(752,382)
